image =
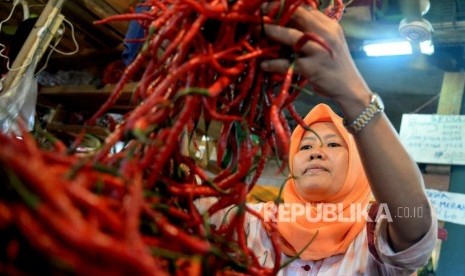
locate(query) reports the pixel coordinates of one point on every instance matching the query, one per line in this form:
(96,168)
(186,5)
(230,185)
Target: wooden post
(39,38)
(452,250)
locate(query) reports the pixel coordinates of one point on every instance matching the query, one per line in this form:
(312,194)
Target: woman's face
(320,167)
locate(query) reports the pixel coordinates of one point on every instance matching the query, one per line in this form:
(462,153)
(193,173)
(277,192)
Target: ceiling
(407,84)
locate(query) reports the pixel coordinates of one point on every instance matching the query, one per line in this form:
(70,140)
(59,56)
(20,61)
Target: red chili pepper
(6,215)
(252,19)
(280,131)
(296,116)
(193,31)
(191,243)
(223,141)
(243,168)
(286,13)
(245,86)
(151,150)
(283,94)
(232,71)
(274,237)
(211,110)
(172,140)
(246,7)
(226,201)
(335,11)
(269,52)
(205,9)
(192,189)
(194,169)
(255,97)
(218,86)
(133,204)
(98,244)
(262,161)
(50,190)
(196,218)
(240,223)
(162,88)
(96,205)
(36,234)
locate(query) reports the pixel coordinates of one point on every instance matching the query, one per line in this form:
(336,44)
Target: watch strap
(367,114)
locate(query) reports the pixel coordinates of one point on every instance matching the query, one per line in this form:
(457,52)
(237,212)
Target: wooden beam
(450,102)
(102,36)
(85,97)
(452,89)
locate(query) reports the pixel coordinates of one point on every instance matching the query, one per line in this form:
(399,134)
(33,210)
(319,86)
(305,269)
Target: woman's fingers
(275,65)
(309,31)
(282,65)
(288,36)
(320,44)
(323,56)
(306,43)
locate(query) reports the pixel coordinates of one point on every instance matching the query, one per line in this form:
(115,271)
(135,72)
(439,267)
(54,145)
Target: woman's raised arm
(394,177)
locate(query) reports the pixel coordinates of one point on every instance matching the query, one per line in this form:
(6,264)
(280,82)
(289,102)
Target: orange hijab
(333,237)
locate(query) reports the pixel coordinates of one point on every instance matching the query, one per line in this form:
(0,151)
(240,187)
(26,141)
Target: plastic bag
(19,101)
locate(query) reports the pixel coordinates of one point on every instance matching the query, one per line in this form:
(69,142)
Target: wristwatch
(376,106)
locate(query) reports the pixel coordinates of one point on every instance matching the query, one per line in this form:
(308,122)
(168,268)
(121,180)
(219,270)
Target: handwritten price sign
(449,207)
(434,139)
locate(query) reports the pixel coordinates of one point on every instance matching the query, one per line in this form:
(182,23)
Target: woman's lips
(315,169)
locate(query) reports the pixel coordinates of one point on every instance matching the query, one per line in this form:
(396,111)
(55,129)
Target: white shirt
(357,260)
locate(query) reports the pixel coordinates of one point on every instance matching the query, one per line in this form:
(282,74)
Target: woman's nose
(316,155)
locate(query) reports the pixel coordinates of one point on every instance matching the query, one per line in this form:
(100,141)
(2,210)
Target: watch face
(378,102)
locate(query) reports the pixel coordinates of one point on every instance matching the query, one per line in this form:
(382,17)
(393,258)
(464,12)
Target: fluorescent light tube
(389,48)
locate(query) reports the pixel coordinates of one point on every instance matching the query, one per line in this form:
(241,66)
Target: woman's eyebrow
(325,137)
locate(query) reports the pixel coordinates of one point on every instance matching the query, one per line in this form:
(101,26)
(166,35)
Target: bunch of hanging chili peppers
(133,212)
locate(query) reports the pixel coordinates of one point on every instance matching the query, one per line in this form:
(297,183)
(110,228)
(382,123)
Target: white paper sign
(449,206)
(435,139)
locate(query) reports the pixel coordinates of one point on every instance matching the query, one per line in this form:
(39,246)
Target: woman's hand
(332,74)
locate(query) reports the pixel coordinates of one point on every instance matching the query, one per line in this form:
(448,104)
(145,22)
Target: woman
(322,220)
(326,169)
